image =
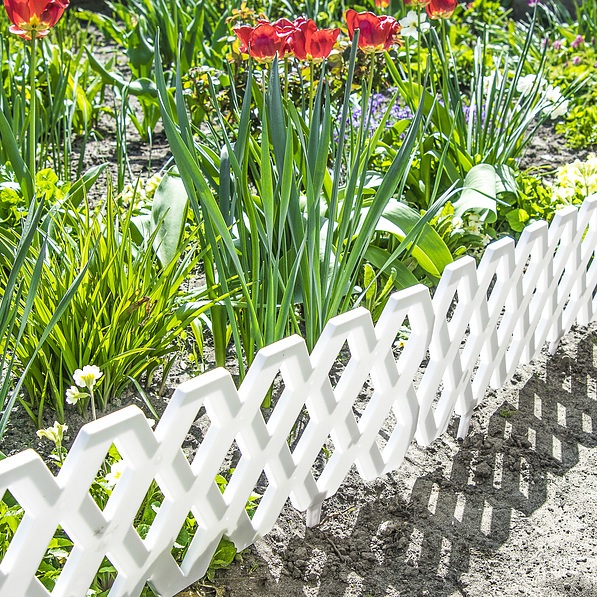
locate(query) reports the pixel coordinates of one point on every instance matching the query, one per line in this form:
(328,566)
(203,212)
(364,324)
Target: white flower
(87,377)
(494,80)
(526,84)
(553,94)
(560,110)
(474,224)
(457,225)
(115,473)
(73,395)
(54,434)
(410,25)
(556,104)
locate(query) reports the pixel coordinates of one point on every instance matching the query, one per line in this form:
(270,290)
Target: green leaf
(381,258)
(14,155)
(479,193)
(370,285)
(430,251)
(224,555)
(517,219)
(168,217)
(143,88)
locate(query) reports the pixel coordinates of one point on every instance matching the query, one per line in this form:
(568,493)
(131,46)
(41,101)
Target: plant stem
(419,39)
(311,81)
(32,111)
(92,400)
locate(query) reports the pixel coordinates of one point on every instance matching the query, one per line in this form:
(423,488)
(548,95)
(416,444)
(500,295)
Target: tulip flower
(441,9)
(34,18)
(282,26)
(417,3)
(376,33)
(309,43)
(382,3)
(262,42)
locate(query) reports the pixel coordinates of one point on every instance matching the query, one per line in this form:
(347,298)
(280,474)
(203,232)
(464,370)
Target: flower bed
(318,167)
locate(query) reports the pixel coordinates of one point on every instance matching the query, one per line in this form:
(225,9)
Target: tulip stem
(311,81)
(32,109)
(446,59)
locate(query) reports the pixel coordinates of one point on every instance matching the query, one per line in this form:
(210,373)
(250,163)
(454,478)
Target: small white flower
(457,225)
(54,433)
(115,473)
(87,377)
(410,25)
(558,106)
(474,224)
(494,80)
(73,395)
(560,110)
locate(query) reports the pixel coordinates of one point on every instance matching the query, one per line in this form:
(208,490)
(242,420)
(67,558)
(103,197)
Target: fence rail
(480,324)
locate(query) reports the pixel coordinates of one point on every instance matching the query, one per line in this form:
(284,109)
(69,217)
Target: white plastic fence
(481,323)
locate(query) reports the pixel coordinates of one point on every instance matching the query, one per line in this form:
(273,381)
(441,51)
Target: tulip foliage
(301,207)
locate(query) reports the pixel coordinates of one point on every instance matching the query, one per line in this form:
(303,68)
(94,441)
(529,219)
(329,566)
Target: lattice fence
(481,323)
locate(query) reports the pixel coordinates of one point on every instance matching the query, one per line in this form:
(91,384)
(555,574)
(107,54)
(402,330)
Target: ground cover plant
(322,157)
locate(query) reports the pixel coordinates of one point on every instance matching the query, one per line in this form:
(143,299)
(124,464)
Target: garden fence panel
(482,322)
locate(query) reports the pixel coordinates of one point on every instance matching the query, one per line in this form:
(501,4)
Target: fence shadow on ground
(424,545)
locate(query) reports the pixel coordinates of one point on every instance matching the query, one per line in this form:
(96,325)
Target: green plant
(124,317)
(482,127)
(586,13)
(580,127)
(295,211)
(67,95)
(531,200)
(22,255)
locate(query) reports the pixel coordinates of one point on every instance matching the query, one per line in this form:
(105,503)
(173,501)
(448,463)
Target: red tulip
(441,9)
(382,3)
(417,3)
(34,17)
(376,33)
(308,42)
(283,26)
(263,41)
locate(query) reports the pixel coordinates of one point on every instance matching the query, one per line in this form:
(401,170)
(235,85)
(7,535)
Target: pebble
(387,528)
(484,470)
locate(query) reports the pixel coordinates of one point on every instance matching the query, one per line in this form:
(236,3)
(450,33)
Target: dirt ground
(511,510)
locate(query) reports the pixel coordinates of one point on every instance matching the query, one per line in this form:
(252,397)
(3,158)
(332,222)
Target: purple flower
(576,60)
(579,41)
(558,44)
(378,105)
(470,113)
